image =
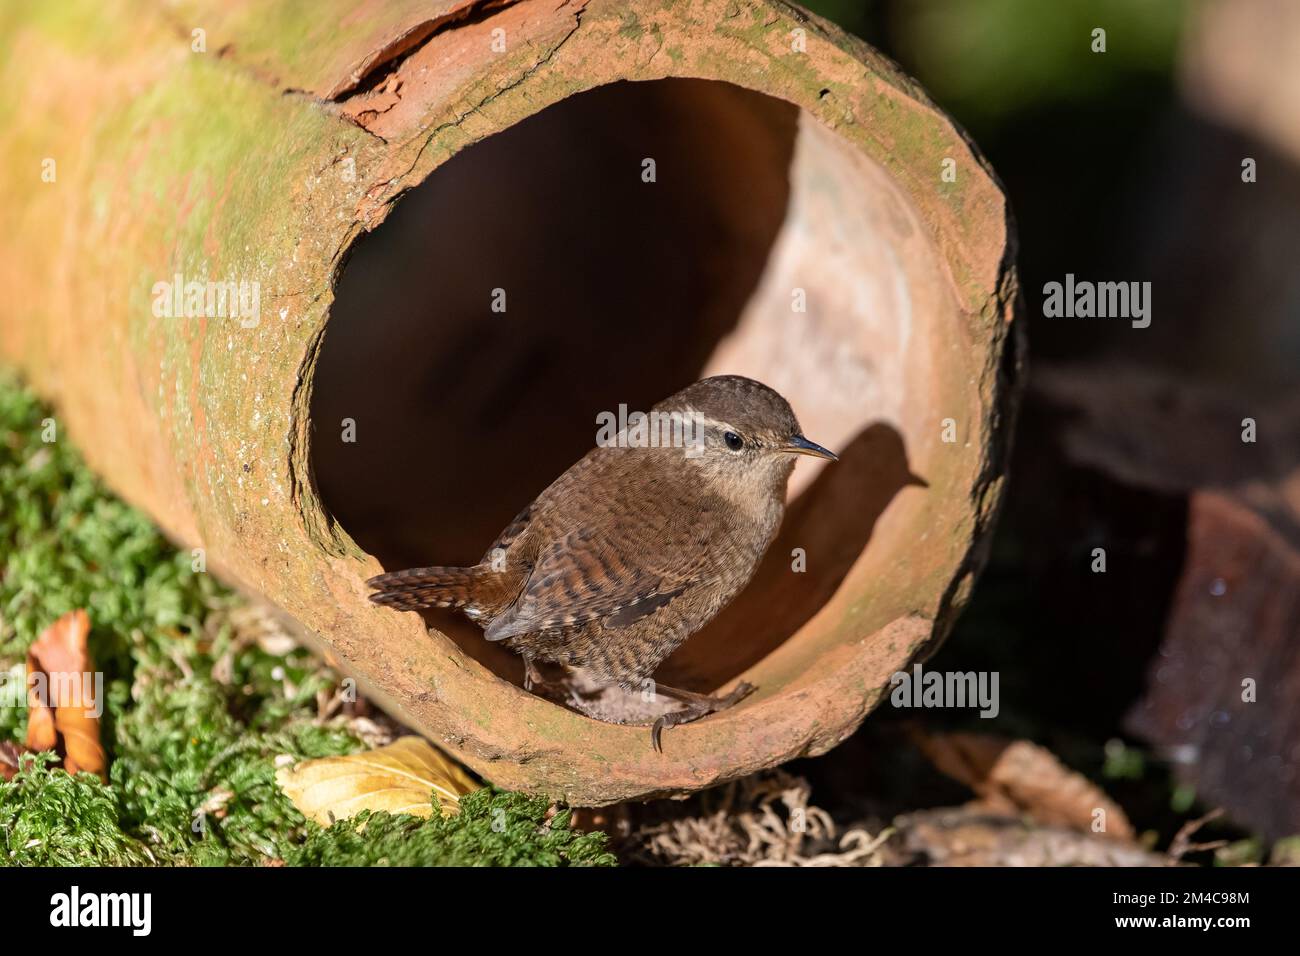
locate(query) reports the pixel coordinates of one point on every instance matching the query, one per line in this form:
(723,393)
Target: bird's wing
(586,576)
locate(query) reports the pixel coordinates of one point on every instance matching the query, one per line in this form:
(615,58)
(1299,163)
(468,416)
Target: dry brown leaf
(41,734)
(1020,777)
(971,836)
(60,658)
(399,778)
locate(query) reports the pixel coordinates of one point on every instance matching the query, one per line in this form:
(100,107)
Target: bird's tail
(477,591)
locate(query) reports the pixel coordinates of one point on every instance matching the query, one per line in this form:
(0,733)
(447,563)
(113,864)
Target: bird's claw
(695,711)
(656,736)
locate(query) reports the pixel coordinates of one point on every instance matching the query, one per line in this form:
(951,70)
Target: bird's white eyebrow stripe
(707,422)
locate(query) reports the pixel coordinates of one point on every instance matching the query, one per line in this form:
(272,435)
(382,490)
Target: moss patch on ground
(203,696)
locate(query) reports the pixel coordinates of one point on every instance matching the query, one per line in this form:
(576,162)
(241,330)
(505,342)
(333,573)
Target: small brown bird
(635,547)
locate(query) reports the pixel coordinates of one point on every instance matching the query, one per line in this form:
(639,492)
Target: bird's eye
(734,441)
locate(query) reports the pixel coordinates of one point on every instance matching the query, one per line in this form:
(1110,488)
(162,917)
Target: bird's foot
(532,676)
(697,706)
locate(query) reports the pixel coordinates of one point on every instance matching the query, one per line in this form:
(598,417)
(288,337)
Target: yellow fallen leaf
(400,778)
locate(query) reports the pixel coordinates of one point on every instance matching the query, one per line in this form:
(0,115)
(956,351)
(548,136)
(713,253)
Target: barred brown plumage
(634,548)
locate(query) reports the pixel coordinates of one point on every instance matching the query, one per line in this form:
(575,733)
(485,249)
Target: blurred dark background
(1127,165)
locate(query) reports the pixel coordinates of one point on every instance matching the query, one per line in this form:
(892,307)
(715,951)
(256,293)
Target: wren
(634,548)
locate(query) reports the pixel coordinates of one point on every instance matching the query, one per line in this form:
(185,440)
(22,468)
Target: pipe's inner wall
(764,246)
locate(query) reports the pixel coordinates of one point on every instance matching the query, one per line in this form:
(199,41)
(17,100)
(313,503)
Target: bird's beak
(801,446)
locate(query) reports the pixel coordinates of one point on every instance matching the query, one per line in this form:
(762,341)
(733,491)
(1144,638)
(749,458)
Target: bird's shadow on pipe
(825,531)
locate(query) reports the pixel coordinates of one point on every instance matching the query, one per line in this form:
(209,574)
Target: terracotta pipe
(816,223)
